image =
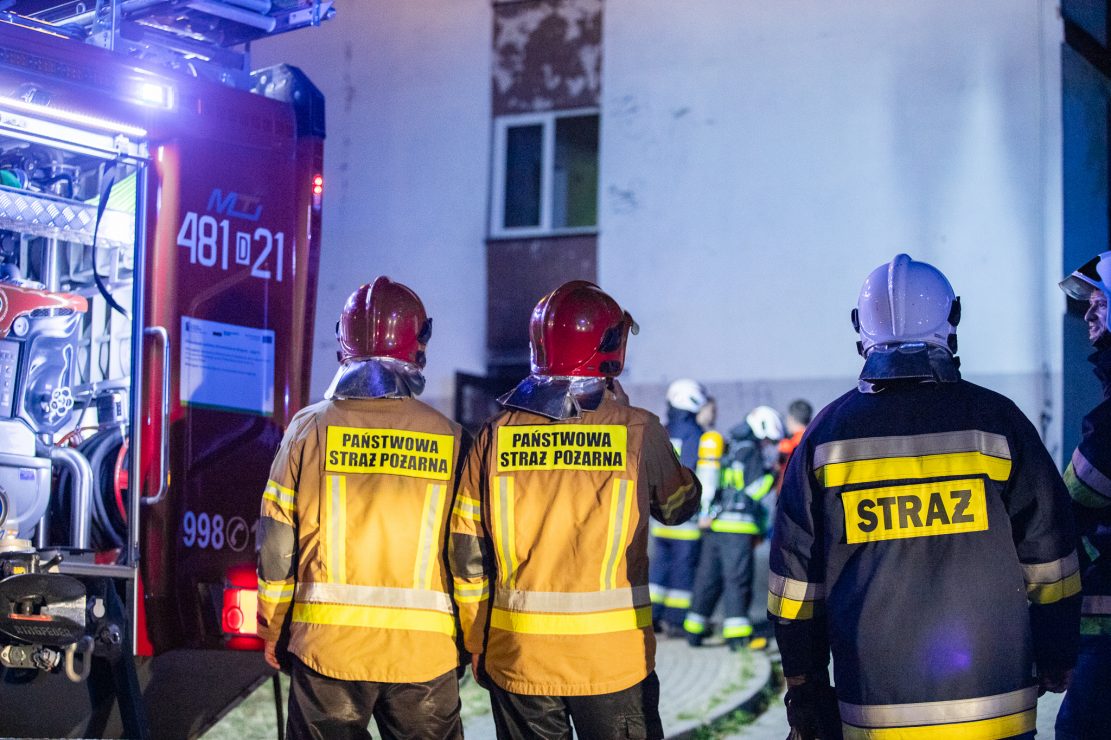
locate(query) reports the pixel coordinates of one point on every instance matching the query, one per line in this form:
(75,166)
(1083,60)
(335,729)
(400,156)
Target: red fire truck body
(186,214)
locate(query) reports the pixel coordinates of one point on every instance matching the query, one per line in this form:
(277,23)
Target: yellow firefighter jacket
(351,538)
(548,547)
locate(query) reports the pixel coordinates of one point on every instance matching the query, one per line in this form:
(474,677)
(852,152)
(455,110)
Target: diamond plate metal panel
(57,218)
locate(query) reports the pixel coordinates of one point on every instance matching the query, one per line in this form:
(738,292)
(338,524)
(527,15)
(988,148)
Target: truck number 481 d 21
(210,244)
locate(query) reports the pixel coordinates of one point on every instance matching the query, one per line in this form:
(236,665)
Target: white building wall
(407,86)
(758,159)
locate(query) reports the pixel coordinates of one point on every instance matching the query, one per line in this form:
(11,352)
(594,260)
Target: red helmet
(383,319)
(579,330)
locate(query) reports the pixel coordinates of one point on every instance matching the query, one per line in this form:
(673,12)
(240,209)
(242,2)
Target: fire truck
(159,239)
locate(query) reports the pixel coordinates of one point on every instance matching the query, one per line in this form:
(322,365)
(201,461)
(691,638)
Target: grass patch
(737,720)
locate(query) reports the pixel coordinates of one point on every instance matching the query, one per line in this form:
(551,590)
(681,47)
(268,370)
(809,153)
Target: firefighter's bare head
(383,319)
(579,330)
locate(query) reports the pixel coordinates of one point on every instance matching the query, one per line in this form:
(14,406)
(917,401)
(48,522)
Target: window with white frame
(545,174)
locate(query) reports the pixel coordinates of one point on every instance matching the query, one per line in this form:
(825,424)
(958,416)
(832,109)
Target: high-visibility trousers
(671,572)
(725,571)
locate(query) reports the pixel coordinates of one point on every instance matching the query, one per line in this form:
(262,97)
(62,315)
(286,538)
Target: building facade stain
(547,55)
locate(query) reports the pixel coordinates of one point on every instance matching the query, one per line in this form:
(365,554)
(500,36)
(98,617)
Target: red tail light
(239,616)
(317,191)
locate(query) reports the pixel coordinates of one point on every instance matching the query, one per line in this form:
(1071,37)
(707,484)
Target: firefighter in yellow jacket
(351,537)
(549,533)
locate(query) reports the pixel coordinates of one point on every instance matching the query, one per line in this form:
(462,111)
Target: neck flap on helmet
(907,362)
(557,397)
(376,377)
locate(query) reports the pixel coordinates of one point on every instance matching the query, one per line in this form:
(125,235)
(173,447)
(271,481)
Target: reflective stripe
(467,508)
(784,608)
(276,592)
(429,544)
(1053,581)
(1089,475)
(1048,593)
(282,496)
(763,489)
(571,624)
(573,602)
(1082,493)
(1095,605)
(914,445)
(656,592)
(792,589)
(469,593)
(730,526)
(985,729)
(688,532)
(346,593)
(503,525)
(675,500)
(1095,625)
(962,464)
(694,623)
(939,712)
(1051,572)
(333,521)
(677,599)
(621,500)
(736,627)
(378,617)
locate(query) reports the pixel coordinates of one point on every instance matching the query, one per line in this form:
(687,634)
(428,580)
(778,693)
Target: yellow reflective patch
(389,451)
(275,592)
(469,593)
(593,623)
(379,617)
(562,447)
(918,510)
(984,729)
(786,608)
(923,466)
(621,499)
(1047,593)
(284,497)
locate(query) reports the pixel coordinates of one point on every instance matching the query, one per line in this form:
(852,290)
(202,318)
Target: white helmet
(687,395)
(906,301)
(766,423)
(1093,275)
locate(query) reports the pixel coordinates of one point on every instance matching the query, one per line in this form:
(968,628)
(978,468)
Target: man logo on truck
(235,205)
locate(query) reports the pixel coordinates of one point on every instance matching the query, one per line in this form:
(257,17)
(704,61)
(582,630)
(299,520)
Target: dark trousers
(724,572)
(1086,711)
(632,713)
(671,578)
(324,708)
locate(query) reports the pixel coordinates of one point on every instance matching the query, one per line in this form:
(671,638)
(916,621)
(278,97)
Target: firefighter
(735,519)
(549,542)
(1085,712)
(675,549)
(354,520)
(924,535)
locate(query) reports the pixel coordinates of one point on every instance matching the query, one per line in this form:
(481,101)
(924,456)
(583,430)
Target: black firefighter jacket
(924,535)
